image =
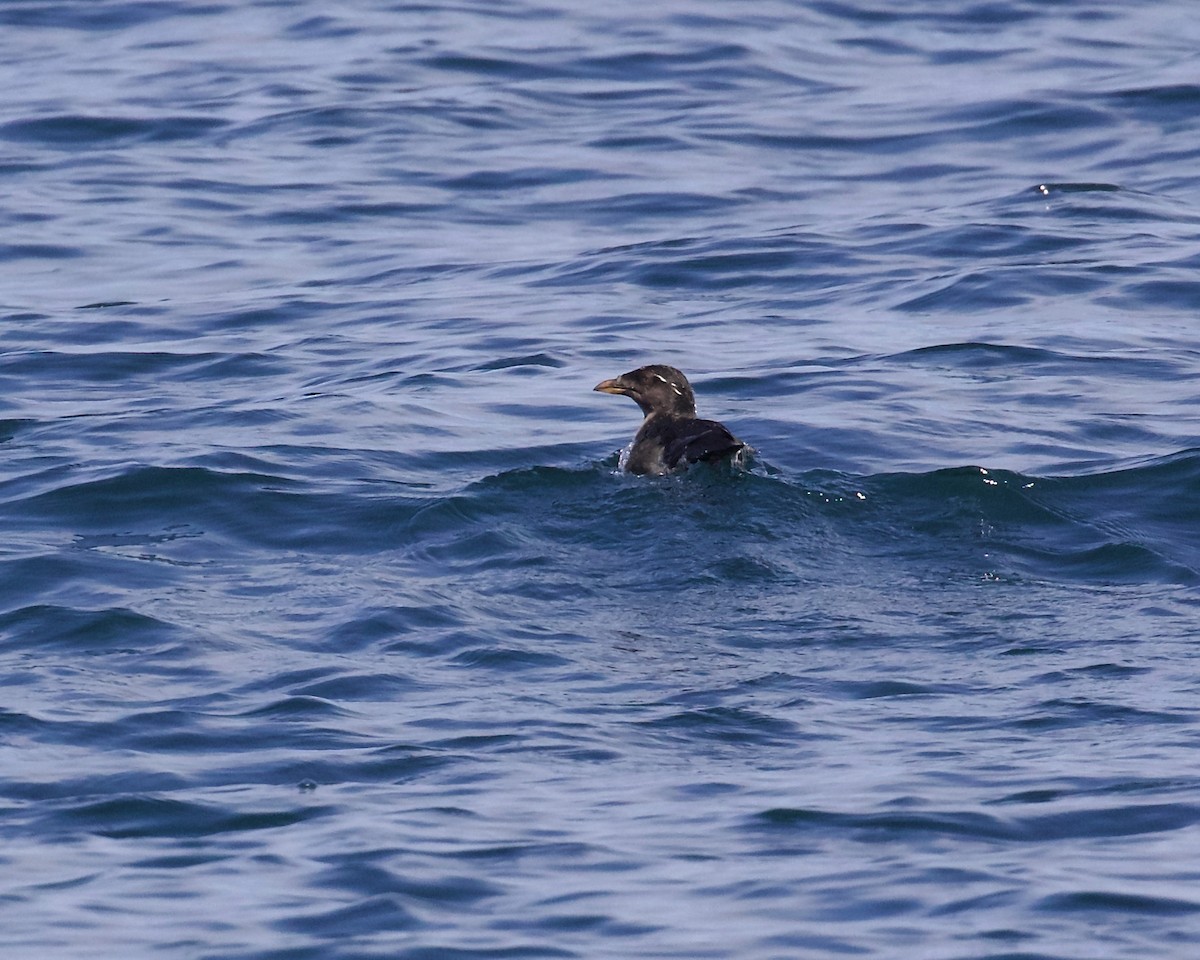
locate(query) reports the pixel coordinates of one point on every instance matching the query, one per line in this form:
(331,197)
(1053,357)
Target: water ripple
(325,611)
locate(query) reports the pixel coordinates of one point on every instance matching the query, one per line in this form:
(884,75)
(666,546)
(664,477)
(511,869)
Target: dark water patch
(1103,787)
(518,852)
(532,360)
(1170,474)
(282,743)
(693,263)
(1124,821)
(984,356)
(1112,563)
(1141,509)
(1009,361)
(769,526)
(1172,105)
(939,502)
(99,785)
(1004,255)
(837,910)
(143,817)
(510,491)
(254,509)
(1013,955)
(493,67)
(1019,119)
(1018,246)
(636,142)
(38,251)
(1174,294)
(13,722)
(508,660)
(108,17)
(1034,796)
(359,211)
(669,205)
(972,291)
(971,904)
(196,726)
(11,428)
(301,708)
(882,689)
(525,178)
(1038,525)
(721,271)
(731,725)
(370,915)
(151,495)
(316,768)
(597,924)
(649,65)
(880,827)
(125,544)
(1090,204)
(966,18)
(386,874)
(1062,714)
(1114,671)
(436,645)
(286,313)
(74,130)
(1078,824)
(322,27)
(325,127)
(23,317)
(181,862)
(533,950)
(1113,902)
(165,731)
(1046,189)
(358,687)
(286,680)
(832,145)
(126,368)
(394,624)
(476,743)
(110,631)
(307,216)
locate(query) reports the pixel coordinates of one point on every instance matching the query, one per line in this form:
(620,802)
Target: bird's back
(666,443)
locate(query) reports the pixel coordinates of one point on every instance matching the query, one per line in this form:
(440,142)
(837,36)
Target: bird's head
(656,389)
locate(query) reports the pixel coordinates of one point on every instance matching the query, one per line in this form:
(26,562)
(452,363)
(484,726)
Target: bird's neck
(677,413)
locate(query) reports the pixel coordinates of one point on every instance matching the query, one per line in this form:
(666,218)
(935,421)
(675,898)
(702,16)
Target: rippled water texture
(328,627)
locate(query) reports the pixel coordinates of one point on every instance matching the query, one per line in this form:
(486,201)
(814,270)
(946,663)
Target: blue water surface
(329,627)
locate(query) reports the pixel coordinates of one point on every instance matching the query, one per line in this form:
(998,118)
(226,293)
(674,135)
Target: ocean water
(329,627)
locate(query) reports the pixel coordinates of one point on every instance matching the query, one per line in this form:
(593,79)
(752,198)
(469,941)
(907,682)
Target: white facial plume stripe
(678,392)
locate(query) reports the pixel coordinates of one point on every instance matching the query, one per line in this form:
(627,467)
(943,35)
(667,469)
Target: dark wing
(694,440)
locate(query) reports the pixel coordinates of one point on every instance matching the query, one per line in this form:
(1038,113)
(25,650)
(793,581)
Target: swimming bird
(671,436)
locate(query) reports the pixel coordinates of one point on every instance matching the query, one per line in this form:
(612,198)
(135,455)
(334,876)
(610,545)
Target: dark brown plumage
(671,436)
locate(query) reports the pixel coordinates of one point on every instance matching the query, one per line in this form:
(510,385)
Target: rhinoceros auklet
(671,436)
